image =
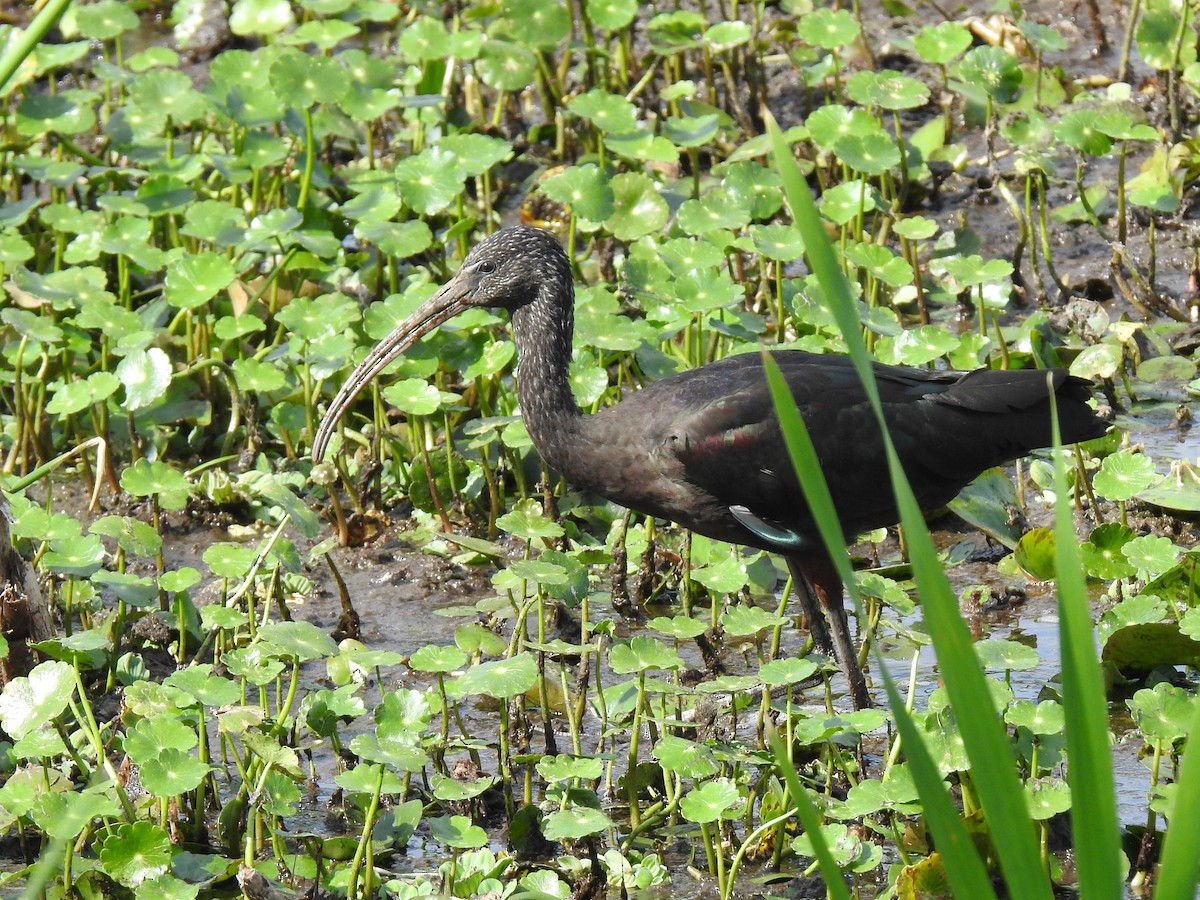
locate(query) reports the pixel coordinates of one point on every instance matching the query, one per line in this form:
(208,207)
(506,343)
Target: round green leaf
(710,801)
(505,65)
(146,478)
(638,209)
(302,81)
(1123,474)
(146,375)
(31,702)
(173,772)
(574,823)
(1005,655)
(501,678)
(135,852)
(197,278)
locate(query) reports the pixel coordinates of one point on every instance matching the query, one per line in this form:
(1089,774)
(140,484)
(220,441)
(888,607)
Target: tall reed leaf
(1094,825)
(835,884)
(1180,867)
(963,866)
(993,766)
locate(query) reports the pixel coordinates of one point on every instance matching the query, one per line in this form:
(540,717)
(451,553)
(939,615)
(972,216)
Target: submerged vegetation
(201,233)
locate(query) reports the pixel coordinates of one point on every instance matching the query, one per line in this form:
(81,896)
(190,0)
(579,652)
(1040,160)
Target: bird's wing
(719,462)
(726,438)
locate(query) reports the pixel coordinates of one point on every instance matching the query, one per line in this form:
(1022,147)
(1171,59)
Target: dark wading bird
(703,448)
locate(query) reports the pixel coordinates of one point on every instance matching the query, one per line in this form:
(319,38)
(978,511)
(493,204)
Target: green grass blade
(963,866)
(993,766)
(1094,824)
(808,471)
(1177,875)
(18,51)
(835,882)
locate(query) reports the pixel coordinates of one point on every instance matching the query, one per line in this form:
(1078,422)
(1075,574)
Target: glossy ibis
(703,448)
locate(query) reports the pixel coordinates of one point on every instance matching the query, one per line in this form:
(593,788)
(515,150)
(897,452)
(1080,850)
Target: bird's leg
(820,591)
(814,614)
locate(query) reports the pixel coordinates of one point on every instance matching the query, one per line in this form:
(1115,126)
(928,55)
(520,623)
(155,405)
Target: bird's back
(690,446)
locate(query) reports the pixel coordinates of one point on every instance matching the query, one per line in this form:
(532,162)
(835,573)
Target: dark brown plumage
(703,448)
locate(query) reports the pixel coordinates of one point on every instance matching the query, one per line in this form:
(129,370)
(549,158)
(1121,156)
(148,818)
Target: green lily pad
(1035,554)
(31,702)
(1163,713)
(229,560)
(63,816)
(429,181)
(642,654)
(711,801)
(787,671)
(746,621)
(299,640)
(451,790)
(993,70)
(457,832)
(197,278)
(417,397)
(611,15)
(680,627)
(564,768)
(574,823)
(77,555)
(584,190)
(146,478)
(1005,655)
(105,20)
(258,375)
(715,211)
(132,853)
(400,754)
(501,678)
(302,81)
(687,759)
(173,772)
(541,23)
(505,65)
(1179,490)
(208,688)
(887,89)
(829,29)
(76,396)
(1152,555)
(1124,474)
(846,201)
(526,521)
(1046,717)
(425,40)
(146,375)
(163,93)
(638,209)
(32,326)
(691,131)
(1101,552)
(1098,361)
(434,658)
(150,737)
(1145,647)
(1045,799)
(895,271)
(1080,129)
(940,44)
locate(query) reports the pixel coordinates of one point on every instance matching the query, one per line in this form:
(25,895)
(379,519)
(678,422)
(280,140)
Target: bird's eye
(485,267)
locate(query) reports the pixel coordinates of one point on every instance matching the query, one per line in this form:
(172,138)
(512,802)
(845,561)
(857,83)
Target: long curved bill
(445,304)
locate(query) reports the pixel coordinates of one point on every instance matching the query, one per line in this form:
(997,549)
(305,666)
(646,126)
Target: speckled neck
(543,331)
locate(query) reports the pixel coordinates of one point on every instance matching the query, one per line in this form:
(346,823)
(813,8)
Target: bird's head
(508,270)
